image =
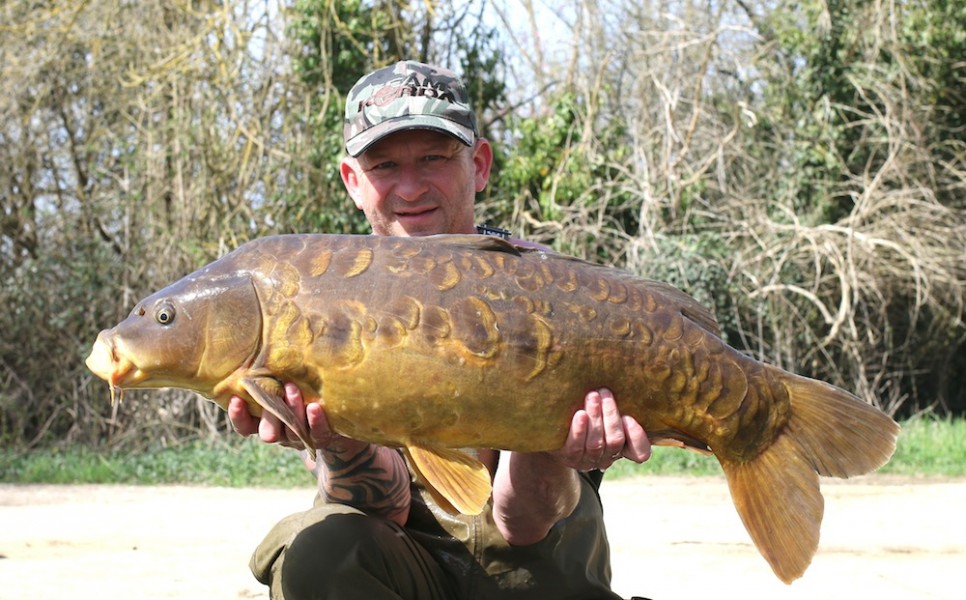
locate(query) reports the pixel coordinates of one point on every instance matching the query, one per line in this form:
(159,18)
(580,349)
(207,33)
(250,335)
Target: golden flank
(445,342)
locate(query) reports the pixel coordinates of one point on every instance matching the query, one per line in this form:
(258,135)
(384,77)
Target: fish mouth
(112,366)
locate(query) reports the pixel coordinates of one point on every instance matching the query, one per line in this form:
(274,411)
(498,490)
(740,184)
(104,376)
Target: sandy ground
(671,537)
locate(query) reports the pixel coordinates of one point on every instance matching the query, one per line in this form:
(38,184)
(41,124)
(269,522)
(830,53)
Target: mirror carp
(461,341)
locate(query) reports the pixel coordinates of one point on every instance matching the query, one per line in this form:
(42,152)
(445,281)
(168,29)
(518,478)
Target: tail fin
(830,432)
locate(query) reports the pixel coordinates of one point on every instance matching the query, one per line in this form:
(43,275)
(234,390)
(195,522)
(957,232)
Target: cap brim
(363,141)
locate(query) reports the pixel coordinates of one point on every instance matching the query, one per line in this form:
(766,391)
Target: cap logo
(411,86)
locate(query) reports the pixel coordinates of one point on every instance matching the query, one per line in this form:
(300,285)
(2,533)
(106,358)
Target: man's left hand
(599,435)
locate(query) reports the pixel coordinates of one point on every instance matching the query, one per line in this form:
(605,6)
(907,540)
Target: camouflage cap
(407,95)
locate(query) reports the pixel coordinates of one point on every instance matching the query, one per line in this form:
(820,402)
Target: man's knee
(347,556)
(267,560)
(339,542)
(334,551)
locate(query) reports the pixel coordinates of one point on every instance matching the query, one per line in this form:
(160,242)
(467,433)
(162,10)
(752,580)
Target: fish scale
(446,342)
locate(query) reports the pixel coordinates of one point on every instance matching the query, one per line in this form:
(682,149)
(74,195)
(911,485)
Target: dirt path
(672,538)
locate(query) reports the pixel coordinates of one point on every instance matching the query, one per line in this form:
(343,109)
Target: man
(415,162)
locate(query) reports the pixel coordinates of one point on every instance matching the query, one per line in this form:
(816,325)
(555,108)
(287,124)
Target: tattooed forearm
(374,480)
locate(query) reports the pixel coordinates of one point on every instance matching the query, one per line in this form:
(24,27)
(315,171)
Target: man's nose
(412,184)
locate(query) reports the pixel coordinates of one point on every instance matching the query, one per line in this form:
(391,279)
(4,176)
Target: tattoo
(375,480)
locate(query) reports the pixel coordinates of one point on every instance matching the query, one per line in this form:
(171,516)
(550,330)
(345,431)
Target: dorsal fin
(486,243)
(690,307)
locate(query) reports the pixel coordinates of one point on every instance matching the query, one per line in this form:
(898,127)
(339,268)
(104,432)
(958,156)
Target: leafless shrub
(872,301)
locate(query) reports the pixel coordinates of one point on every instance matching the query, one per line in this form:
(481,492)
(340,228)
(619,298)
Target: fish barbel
(446,342)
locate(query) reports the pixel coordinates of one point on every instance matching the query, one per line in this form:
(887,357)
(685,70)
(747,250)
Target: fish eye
(165,314)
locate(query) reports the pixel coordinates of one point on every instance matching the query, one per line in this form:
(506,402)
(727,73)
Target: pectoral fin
(458,482)
(270,395)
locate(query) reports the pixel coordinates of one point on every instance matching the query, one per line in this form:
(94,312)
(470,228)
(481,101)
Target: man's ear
(482,160)
(349,170)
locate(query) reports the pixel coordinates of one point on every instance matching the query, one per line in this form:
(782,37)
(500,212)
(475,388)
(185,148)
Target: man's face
(418,182)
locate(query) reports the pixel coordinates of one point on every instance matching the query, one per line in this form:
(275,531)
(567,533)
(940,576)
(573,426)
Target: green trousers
(335,552)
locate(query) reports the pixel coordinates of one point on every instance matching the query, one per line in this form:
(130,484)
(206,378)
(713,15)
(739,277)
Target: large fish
(446,342)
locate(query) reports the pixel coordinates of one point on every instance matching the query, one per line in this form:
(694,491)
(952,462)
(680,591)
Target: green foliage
(930,446)
(927,447)
(844,81)
(697,263)
(49,312)
(821,44)
(667,461)
(539,153)
(934,43)
(232,463)
(562,165)
(333,45)
(481,62)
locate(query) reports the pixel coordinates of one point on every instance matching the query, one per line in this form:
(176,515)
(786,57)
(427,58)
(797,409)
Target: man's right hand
(370,477)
